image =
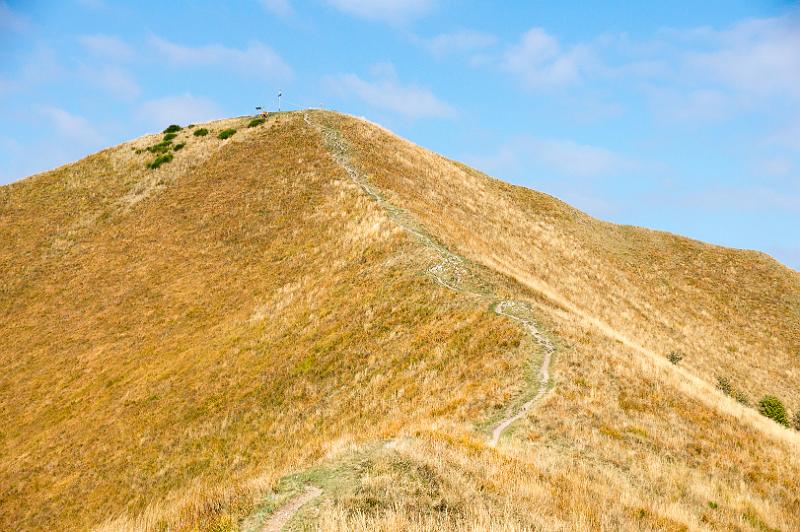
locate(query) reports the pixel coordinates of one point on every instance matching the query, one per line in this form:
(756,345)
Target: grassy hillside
(314,301)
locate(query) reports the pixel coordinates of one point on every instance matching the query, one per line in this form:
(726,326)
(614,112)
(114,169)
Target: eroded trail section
(282,516)
(505,308)
(453,271)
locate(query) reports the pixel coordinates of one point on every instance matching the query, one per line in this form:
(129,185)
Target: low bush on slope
(772,407)
(226,133)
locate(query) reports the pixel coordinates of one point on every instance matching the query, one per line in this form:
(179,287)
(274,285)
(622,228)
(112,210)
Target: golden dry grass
(179,340)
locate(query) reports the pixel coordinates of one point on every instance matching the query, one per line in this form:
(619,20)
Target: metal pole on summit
(279,100)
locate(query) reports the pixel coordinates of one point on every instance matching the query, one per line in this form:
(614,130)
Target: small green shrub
(675,357)
(162,147)
(158,161)
(200,132)
(174,128)
(713,505)
(724,385)
(179,146)
(169,136)
(226,133)
(796,420)
(190,126)
(771,407)
(256,122)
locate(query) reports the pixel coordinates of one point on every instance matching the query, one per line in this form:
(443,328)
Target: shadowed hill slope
(179,340)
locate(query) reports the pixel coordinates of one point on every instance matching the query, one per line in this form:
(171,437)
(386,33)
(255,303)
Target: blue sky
(681,116)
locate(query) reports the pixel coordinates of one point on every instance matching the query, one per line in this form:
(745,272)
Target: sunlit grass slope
(184,346)
(248,312)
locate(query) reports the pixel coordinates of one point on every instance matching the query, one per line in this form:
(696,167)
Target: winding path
(282,516)
(544,370)
(448,273)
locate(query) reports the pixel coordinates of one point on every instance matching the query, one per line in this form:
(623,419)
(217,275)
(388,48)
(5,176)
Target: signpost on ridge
(279,100)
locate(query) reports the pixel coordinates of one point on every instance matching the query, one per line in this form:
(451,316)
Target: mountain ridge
(234,272)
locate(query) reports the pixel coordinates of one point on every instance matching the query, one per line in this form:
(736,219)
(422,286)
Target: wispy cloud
(787,137)
(540,61)
(387,93)
(755,56)
(391,11)
(108,47)
(183,109)
(281,8)
(257,60)
(776,167)
(116,81)
(457,42)
(74,128)
(40,66)
(691,105)
(564,157)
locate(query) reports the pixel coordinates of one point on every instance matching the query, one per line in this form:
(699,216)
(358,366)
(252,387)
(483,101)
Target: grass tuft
(675,357)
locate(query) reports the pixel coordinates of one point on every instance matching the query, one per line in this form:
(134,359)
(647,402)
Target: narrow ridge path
(544,370)
(449,272)
(282,516)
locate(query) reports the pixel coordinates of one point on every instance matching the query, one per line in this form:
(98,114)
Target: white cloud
(108,46)
(457,42)
(786,137)
(574,159)
(391,11)
(39,67)
(74,128)
(389,94)
(183,109)
(775,167)
(281,8)
(565,157)
(115,80)
(692,105)
(540,62)
(756,55)
(257,60)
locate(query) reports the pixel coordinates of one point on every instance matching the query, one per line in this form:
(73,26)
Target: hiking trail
(282,516)
(450,272)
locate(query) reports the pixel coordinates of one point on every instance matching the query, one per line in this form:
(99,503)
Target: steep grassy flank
(230,323)
(191,346)
(626,440)
(733,313)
